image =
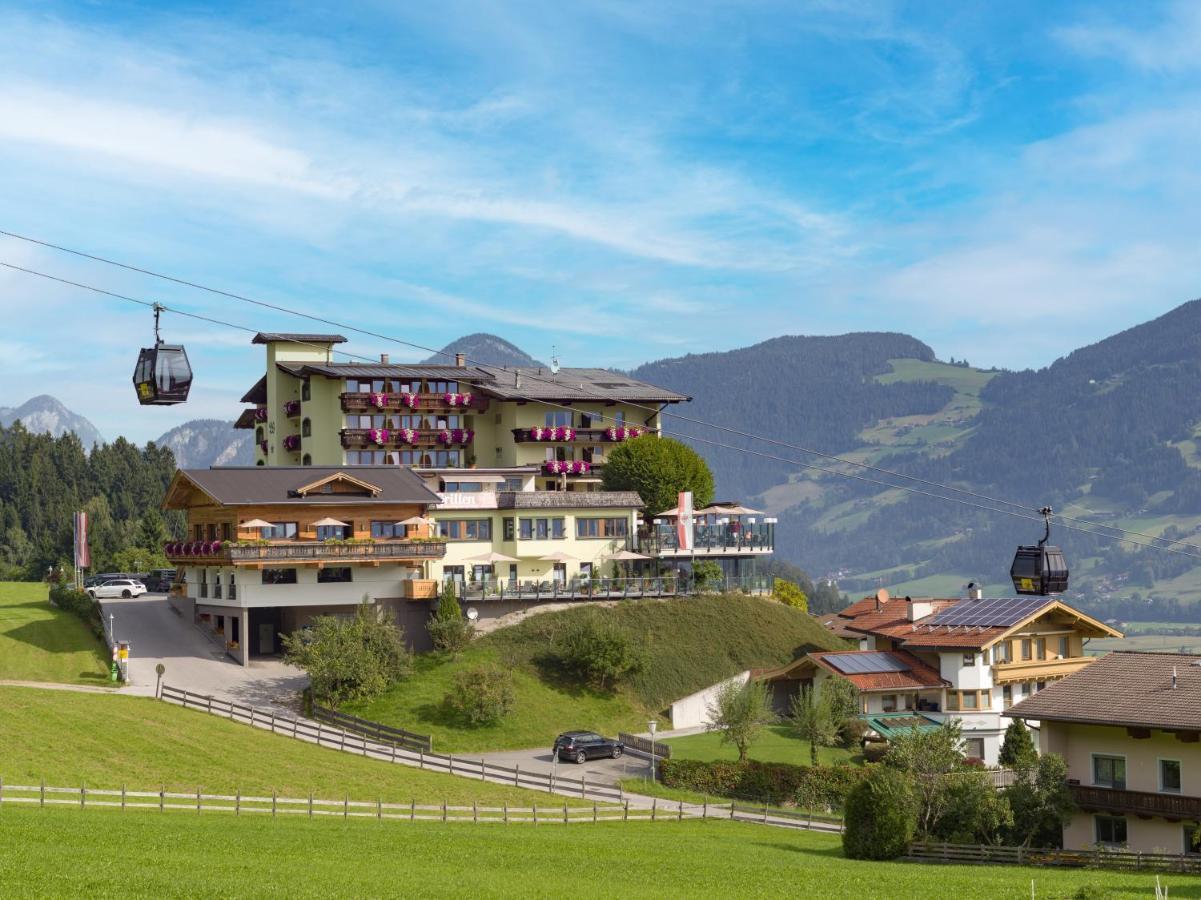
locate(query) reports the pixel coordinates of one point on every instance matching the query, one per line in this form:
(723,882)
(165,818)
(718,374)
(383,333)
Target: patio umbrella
(256,523)
(731,511)
(415,520)
(559,557)
(625,556)
(328,522)
(492,557)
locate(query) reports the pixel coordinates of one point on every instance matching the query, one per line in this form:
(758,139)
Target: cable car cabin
(163,375)
(1039,570)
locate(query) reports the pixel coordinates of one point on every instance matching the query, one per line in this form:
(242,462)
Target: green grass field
(688,644)
(100,853)
(776,743)
(102,741)
(41,643)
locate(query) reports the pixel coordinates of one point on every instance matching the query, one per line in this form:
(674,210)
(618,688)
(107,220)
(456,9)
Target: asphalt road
(602,771)
(193,661)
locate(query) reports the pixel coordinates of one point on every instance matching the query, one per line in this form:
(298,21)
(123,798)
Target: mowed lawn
(106,740)
(776,744)
(103,853)
(41,643)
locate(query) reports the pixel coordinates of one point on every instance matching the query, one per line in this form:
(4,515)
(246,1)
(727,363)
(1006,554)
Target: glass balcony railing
(759,537)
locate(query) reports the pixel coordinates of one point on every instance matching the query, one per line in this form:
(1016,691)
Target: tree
(927,756)
(1017,749)
(483,694)
(152,532)
(706,573)
(350,659)
(597,652)
(1041,803)
(658,468)
(739,712)
(448,629)
(879,815)
(136,559)
(813,720)
(789,593)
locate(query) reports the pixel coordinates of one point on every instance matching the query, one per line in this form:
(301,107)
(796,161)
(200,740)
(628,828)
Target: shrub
(483,694)
(1017,749)
(706,574)
(448,629)
(788,593)
(811,787)
(1042,804)
(596,652)
(851,732)
(739,712)
(658,468)
(880,815)
(354,659)
(78,603)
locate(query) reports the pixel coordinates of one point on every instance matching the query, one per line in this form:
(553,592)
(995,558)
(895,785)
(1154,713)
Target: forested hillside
(44,480)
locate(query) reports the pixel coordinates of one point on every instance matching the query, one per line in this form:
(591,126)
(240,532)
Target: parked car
(581,746)
(160,580)
(118,587)
(105,577)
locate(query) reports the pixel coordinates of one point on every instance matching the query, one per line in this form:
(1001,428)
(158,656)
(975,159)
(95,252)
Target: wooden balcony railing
(1144,803)
(1028,669)
(224,552)
(398,438)
(569,435)
(357,402)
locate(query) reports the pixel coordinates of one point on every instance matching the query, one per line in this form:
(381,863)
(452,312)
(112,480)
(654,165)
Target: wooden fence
(162,800)
(323,735)
(774,815)
(643,745)
(1026,856)
(374,730)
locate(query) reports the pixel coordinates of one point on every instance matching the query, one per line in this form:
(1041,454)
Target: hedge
(78,603)
(779,783)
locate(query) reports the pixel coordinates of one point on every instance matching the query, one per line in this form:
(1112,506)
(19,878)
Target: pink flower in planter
(444,436)
(292,408)
(260,414)
(409,436)
(215,547)
(634,432)
(409,400)
(292,442)
(379,401)
(466,399)
(378,435)
(263,446)
(536,433)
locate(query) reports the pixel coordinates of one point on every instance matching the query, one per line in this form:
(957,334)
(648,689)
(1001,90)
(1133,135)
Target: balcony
(710,540)
(357,402)
(251,553)
(1139,803)
(565,434)
(403,438)
(1038,669)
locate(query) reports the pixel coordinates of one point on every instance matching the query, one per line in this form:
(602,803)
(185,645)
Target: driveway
(194,662)
(599,771)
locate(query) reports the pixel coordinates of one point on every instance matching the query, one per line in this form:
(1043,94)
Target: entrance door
(266,638)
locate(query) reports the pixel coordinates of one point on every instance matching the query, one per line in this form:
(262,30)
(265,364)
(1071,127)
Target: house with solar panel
(922,661)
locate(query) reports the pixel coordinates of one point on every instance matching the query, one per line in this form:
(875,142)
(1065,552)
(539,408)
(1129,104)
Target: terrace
(250,553)
(361,401)
(584,589)
(749,537)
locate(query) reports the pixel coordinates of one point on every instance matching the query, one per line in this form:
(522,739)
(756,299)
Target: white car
(119,587)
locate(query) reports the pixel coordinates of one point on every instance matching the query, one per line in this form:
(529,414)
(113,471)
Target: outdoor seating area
(604,588)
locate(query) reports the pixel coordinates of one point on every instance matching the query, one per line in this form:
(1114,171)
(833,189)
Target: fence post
(83,795)
(764,812)
(231,710)
(594,812)
(731,809)
(564,812)
(310,803)
(162,797)
(625,812)
(295,725)
(238,802)
(475,813)
(443,810)
(393,753)
(450,763)
(345,807)
(421,759)
(483,776)
(516,774)
(273,723)
(197,799)
(42,801)
(273,803)
(318,732)
(680,810)
(342,746)
(535,808)
(210,699)
(506,811)
(705,807)
(654,806)
(583,784)
(122,796)
(379,809)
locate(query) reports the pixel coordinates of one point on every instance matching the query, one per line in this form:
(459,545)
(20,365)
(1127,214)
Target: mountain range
(1109,435)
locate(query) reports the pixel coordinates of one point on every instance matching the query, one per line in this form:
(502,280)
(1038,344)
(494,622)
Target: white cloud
(1174,45)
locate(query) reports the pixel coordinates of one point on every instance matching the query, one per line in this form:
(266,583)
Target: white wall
(693,710)
(965,678)
(374,581)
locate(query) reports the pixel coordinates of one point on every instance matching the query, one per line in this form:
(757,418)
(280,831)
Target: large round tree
(658,468)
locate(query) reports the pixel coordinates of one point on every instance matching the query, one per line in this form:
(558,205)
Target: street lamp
(652,726)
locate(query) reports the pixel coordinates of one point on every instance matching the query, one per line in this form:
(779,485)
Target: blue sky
(623,181)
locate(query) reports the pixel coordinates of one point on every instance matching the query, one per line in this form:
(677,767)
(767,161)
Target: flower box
(292,442)
(260,414)
(292,409)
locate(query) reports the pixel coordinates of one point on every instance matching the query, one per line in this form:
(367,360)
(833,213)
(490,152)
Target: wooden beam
(1139,734)
(1188,737)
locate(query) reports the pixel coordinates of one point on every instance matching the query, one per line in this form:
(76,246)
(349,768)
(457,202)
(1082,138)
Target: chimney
(383,358)
(974,591)
(516,379)
(881,598)
(1173,678)
(461,360)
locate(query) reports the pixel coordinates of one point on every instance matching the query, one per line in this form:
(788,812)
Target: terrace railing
(216,552)
(353,402)
(1139,803)
(585,589)
(759,537)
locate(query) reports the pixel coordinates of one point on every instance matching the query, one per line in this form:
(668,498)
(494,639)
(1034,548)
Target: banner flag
(684,520)
(83,557)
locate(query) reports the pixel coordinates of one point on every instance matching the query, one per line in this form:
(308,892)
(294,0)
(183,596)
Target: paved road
(193,661)
(599,771)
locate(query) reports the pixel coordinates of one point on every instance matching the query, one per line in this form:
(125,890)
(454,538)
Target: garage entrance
(266,623)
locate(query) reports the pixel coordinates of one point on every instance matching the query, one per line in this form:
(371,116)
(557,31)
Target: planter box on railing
(225,551)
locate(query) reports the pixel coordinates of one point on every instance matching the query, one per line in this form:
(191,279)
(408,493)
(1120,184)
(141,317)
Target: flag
(684,520)
(83,557)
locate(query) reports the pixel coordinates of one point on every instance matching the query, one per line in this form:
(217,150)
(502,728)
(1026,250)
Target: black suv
(582,746)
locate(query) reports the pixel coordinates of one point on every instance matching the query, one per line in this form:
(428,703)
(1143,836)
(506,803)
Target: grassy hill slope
(39,642)
(688,644)
(104,740)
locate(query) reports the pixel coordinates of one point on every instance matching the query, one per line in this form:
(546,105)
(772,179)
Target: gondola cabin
(1039,570)
(163,375)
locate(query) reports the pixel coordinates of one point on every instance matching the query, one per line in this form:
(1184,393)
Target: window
(1192,840)
(335,574)
(279,531)
(333,532)
(511,484)
(510,527)
(889,703)
(970,700)
(1042,648)
(542,529)
(973,748)
(1064,650)
(212,532)
(279,576)
(306,390)
(1109,771)
(452,573)
(306,460)
(1007,696)
(1110,830)
(1002,653)
(387,530)
(1026,648)
(984,660)
(227,531)
(306,428)
(969,659)
(1169,776)
(601,528)
(559,417)
(462,487)
(952,700)
(466,529)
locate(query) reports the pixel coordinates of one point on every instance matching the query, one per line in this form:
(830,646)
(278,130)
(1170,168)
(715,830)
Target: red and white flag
(684,520)
(83,557)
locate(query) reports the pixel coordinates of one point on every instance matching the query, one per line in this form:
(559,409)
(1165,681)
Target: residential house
(1129,728)
(968,659)
(269,549)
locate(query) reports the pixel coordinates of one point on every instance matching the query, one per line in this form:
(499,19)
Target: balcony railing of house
(215,552)
(353,401)
(400,438)
(204,590)
(233,591)
(606,588)
(1144,803)
(217,591)
(565,434)
(1026,669)
(759,537)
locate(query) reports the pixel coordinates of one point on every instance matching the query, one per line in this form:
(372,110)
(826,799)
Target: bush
(596,652)
(706,574)
(448,629)
(811,787)
(788,593)
(880,814)
(658,468)
(851,732)
(483,694)
(78,603)
(1017,749)
(354,659)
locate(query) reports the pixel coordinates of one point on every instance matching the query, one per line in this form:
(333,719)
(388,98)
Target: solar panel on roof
(866,663)
(989,613)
